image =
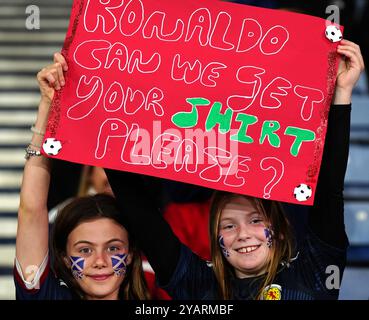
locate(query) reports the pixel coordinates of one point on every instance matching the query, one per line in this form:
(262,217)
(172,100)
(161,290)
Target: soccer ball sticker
(52,146)
(333,33)
(302,192)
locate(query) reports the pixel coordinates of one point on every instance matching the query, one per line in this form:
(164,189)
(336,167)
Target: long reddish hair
(282,249)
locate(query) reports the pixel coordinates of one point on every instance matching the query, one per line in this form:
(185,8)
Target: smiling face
(244,237)
(100,248)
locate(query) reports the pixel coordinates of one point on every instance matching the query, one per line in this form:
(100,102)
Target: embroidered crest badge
(272,292)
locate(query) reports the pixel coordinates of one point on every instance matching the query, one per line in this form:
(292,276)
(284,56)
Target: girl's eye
(113,249)
(85,250)
(228,227)
(255,221)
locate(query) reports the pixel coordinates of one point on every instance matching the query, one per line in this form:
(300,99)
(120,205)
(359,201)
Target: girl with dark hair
(253,253)
(93,256)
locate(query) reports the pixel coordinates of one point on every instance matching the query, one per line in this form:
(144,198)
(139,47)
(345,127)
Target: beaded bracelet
(31,153)
(39,132)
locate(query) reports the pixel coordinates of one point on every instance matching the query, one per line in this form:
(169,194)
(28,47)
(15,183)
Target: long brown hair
(89,208)
(282,249)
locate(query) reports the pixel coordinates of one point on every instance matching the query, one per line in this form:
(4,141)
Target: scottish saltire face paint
(77,267)
(119,263)
(223,247)
(269,236)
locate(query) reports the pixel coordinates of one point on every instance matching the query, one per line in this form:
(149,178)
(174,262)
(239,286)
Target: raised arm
(326,217)
(32,233)
(135,195)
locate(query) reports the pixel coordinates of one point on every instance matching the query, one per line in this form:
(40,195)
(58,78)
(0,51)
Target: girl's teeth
(247,249)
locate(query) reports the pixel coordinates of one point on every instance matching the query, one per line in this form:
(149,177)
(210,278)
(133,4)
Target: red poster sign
(222,95)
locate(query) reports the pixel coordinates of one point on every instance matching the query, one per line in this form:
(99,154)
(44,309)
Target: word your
(115,98)
(200,26)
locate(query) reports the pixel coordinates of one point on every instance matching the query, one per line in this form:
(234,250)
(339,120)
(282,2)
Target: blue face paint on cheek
(119,263)
(77,267)
(269,236)
(223,247)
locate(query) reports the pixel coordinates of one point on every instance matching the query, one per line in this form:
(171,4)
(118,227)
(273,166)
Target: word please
(210,161)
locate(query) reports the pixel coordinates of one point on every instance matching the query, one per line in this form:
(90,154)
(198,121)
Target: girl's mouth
(247,249)
(100,277)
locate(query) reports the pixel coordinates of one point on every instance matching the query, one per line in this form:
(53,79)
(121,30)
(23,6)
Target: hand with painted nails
(350,68)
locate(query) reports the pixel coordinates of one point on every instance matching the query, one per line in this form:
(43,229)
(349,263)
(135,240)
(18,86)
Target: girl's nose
(101,260)
(243,233)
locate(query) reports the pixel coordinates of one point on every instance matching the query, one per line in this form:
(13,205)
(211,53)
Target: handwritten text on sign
(221,95)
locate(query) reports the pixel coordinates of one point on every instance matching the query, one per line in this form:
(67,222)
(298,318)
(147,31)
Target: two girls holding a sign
(254,255)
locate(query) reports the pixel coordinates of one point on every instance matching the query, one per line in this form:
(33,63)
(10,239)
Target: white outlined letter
(99,12)
(274,40)
(132,18)
(111,128)
(92,96)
